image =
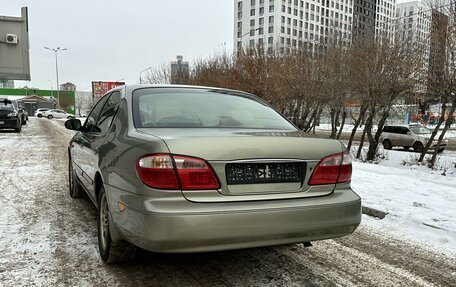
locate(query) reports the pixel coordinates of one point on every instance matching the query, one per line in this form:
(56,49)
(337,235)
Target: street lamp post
(245,34)
(51,87)
(57,70)
(140,73)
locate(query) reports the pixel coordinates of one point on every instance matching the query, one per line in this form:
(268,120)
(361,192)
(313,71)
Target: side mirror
(73,124)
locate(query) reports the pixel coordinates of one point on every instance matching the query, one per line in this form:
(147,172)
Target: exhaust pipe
(307,244)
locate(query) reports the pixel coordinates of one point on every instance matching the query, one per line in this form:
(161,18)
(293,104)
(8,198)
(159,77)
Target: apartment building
(426,28)
(311,24)
(292,24)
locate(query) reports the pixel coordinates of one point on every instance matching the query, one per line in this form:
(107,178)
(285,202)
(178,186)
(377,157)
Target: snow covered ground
(420,202)
(451,133)
(49,239)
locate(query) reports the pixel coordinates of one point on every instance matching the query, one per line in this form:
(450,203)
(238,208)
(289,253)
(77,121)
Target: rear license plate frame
(263,172)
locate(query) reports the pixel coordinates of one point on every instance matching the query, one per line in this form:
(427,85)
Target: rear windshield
(199,108)
(8,107)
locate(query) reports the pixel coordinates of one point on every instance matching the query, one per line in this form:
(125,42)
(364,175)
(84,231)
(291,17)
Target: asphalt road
(49,239)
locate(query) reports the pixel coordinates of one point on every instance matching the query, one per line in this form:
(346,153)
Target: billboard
(14,47)
(99,88)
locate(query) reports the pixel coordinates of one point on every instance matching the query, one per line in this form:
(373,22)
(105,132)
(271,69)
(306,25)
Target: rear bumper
(290,221)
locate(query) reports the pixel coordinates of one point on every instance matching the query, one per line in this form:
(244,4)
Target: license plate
(252,173)
(2,122)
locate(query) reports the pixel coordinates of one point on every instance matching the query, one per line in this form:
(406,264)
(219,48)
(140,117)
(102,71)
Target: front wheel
(110,251)
(50,117)
(387,144)
(39,115)
(418,147)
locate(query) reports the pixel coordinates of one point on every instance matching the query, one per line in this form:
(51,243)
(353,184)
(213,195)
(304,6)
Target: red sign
(100,88)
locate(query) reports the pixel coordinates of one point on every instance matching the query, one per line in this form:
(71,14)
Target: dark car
(10,118)
(194,169)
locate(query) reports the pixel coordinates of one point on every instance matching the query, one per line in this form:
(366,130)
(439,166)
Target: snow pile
(420,202)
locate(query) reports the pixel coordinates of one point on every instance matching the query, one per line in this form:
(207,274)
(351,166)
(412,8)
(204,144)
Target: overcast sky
(115,40)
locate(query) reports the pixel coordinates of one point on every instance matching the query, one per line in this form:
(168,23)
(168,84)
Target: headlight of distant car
(12,115)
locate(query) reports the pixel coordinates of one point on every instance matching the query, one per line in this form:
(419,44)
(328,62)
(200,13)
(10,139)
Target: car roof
(130,88)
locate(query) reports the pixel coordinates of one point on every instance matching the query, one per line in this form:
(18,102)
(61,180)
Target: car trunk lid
(252,164)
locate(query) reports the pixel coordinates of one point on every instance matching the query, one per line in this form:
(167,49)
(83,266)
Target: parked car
(39,112)
(195,169)
(10,118)
(55,113)
(413,135)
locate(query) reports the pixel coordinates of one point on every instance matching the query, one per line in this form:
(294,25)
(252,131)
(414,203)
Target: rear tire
(39,115)
(387,144)
(75,187)
(50,117)
(418,147)
(18,130)
(24,122)
(110,251)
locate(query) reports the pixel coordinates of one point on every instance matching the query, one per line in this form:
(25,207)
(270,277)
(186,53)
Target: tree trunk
(445,129)
(311,120)
(362,114)
(334,119)
(317,119)
(373,141)
(361,143)
(434,133)
(344,114)
(367,125)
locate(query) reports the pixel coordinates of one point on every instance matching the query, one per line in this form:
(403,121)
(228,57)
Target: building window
(271,8)
(252,2)
(270,40)
(271,19)
(271,29)
(261,10)
(239,15)
(252,22)
(252,12)
(260,31)
(261,21)
(240,5)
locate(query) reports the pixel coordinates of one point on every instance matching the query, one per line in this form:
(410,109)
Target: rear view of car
(194,169)
(10,118)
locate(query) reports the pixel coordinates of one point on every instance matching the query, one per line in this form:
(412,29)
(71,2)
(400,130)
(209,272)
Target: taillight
(336,168)
(159,171)
(195,173)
